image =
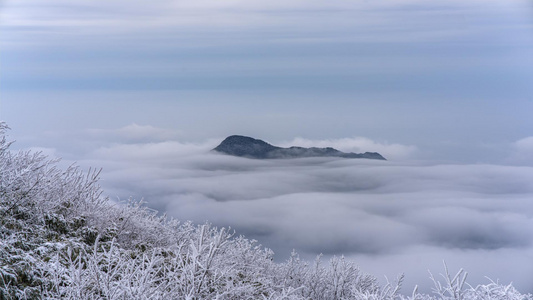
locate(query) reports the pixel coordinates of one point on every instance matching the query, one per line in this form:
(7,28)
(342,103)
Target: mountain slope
(244,146)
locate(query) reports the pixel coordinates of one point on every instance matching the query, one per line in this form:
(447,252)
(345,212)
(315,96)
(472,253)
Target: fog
(391,217)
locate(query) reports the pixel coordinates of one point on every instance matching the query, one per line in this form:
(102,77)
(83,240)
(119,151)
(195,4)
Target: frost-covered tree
(60,238)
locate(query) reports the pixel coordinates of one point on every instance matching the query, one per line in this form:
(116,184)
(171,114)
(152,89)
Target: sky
(443,90)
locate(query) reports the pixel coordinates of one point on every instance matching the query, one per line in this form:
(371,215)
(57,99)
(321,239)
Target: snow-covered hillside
(60,238)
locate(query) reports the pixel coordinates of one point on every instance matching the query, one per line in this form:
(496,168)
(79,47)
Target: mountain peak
(243,146)
(238,145)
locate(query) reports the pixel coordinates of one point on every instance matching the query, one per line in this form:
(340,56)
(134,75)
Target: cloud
(522,152)
(390,216)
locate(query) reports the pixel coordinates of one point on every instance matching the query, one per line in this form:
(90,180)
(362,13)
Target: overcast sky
(452,78)
(443,89)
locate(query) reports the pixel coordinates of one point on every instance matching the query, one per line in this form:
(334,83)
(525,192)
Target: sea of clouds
(401,215)
(397,216)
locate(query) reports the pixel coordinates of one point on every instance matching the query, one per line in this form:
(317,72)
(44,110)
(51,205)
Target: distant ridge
(243,146)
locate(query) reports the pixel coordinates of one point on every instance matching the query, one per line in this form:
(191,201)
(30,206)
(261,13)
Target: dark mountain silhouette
(244,146)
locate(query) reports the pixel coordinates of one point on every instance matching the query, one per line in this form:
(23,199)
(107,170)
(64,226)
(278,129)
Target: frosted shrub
(456,288)
(340,279)
(494,290)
